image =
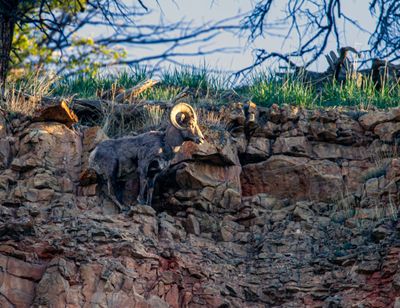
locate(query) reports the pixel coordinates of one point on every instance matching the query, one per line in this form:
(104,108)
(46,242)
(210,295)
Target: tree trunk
(7,26)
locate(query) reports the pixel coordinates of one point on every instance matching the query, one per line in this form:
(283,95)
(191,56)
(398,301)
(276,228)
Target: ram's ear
(182,111)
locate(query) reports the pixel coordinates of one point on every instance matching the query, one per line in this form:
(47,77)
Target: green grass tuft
(364,96)
(87,86)
(263,88)
(266,90)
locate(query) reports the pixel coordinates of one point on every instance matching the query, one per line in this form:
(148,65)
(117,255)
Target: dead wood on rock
(133,93)
(342,69)
(58,112)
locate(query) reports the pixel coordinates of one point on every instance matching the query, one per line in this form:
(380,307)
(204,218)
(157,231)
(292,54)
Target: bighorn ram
(145,155)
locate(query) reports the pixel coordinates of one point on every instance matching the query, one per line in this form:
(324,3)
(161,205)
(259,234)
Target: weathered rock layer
(290,208)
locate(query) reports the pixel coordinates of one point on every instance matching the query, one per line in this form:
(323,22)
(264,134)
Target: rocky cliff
(290,208)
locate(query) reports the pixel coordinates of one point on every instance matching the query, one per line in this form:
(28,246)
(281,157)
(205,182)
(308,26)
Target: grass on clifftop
(262,88)
(266,90)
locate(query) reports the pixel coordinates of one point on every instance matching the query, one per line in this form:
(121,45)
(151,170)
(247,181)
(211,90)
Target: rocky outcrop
(320,155)
(297,178)
(206,177)
(291,208)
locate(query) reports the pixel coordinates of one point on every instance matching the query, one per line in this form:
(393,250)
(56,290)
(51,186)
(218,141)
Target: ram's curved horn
(184,109)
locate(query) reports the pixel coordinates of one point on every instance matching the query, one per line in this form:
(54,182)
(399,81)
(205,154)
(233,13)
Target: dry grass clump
(116,122)
(19,103)
(23,96)
(211,119)
(152,117)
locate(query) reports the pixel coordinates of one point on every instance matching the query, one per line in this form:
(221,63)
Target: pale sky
(203,11)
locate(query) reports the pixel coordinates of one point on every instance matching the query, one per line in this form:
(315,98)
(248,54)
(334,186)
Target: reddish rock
(369,120)
(15,291)
(296,146)
(323,131)
(257,149)
(267,129)
(355,172)
(5,153)
(192,225)
(24,270)
(293,177)
(199,175)
(53,146)
(349,132)
(5,147)
(220,150)
(17,281)
(393,170)
(324,150)
(387,131)
(92,136)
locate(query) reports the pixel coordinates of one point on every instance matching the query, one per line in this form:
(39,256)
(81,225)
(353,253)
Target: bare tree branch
(315,23)
(59,28)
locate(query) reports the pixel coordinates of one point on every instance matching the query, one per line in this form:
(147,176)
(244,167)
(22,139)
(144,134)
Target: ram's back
(123,155)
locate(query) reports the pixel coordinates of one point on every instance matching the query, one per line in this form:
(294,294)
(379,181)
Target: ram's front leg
(150,189)
(111,194)
(143,185)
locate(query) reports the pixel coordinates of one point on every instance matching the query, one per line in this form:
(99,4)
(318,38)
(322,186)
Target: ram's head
(184,118)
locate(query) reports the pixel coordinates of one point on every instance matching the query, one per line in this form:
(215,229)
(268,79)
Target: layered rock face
(290,208)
